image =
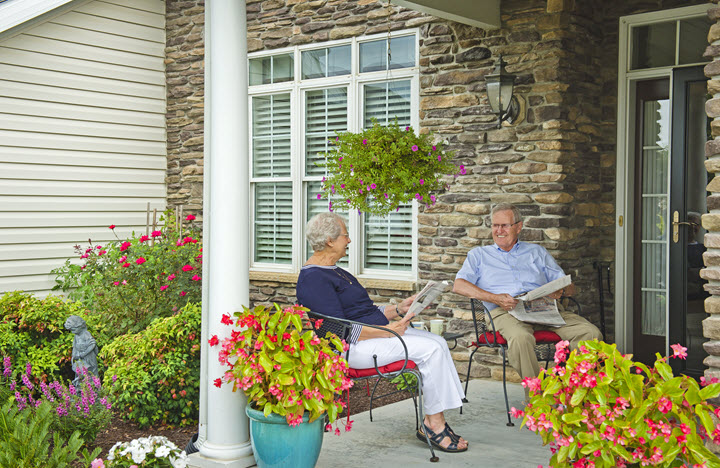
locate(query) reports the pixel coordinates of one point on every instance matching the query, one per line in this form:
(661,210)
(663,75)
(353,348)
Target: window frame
(297,88)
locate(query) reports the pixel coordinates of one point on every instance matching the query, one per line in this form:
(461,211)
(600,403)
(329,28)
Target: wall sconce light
(500,93)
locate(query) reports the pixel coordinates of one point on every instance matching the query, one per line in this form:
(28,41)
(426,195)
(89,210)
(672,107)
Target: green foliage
(604,410)
(157,370)
(282,367)
(382,167)
(135,281)
(405,382)
(32,330)
(25,440)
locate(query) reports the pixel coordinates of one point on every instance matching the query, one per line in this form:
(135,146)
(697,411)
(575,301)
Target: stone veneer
(711,221)
(558,164)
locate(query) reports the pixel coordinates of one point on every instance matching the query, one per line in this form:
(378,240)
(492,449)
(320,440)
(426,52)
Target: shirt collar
(513,249)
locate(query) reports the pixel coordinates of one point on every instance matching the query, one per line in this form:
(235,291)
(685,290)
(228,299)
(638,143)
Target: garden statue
(85,349)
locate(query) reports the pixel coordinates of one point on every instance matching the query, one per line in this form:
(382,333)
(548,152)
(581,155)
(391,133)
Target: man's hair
(517,217)
(322,228)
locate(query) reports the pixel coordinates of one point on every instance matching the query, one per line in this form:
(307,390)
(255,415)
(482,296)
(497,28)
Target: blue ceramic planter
(276,445)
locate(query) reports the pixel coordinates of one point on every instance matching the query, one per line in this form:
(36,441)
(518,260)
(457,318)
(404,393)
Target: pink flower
(122,259)
(183,293)
(97,463)
(226,319)
(102,252)
(407,129)
(364,142)
(189,218)
(373,186)
(387,196)
(124,282)
(187,268)
(156,233)
(116,283)
(98,247)
(84,255)
(418,196)
(414,147)
(217,382)
(434,148)
(112,226)
(171,277)
(422,181)
(318,196)
(140,261)
(124,246)
(342,186)
(462,169)
(439,157)
(213,340)
(664,405)
(195,278)
(143,239)
(179,243)
(679,351)
(125,265)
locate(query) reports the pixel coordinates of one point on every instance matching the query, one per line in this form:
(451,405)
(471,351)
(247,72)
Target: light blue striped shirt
(524,268)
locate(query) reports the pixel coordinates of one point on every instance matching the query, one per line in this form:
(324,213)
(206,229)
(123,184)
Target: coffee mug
(419,325)
(436,326)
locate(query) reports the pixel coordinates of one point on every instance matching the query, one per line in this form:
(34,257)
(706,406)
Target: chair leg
(467,377)
(372,396)
(507,404)
(433,457)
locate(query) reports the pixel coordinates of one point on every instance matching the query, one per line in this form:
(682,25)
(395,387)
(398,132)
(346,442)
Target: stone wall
(711,221)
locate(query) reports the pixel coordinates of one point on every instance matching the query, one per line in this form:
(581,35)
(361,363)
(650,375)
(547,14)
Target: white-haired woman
(325,288)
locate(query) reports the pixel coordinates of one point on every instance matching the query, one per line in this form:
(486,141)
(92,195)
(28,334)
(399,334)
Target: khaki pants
(521,342)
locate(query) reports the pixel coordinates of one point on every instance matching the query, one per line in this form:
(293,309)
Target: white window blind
(271,136)
(325,114)
(388,241)
(273,222)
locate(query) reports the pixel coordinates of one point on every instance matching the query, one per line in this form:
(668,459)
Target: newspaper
(534,307)
(427,296)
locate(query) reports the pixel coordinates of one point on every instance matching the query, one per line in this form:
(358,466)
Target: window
(300,98)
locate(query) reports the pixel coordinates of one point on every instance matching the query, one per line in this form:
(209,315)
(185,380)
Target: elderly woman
(327,289)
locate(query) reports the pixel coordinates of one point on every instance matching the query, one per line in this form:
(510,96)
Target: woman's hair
(517,217)
(322,228)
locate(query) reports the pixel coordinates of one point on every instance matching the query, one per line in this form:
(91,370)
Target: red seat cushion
(541,336)
(489,338)
(392,367)
(546,336)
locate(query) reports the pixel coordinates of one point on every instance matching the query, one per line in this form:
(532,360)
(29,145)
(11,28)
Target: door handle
(676,225)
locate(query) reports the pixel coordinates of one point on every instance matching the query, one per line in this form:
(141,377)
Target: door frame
(625,166)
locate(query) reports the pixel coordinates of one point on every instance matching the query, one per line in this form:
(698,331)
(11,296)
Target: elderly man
(496,273)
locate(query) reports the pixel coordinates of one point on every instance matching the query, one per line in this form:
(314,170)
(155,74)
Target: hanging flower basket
(382,167)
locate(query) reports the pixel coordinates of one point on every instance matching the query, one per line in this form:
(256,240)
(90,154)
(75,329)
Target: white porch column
(224,433)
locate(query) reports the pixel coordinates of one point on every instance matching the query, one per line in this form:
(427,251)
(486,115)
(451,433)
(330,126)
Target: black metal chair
(487,336)
(403,368)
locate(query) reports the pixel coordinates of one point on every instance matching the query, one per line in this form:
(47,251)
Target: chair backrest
(483,322)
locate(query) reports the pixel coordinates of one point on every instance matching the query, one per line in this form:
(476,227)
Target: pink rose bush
(601,409)
(133,281)
(383,167)
(277,359)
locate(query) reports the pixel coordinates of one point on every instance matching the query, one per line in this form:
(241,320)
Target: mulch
(122,430)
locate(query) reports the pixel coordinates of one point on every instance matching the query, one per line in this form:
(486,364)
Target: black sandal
(453,436)
(436,438)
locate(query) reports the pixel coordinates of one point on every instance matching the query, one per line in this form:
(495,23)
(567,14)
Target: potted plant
(382,167)
(602,409)
(291,378)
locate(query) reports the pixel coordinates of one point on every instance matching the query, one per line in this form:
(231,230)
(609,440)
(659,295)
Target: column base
(198,460)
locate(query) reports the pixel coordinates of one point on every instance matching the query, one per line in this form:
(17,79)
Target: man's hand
(557,294)
(505,301)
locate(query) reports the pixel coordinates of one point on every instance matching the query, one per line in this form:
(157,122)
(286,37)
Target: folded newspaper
(427,296)
(534,307)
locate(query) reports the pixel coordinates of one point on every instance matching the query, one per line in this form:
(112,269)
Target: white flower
(162,451)
(138,456)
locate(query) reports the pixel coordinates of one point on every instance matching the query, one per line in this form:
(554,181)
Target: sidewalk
(390,439)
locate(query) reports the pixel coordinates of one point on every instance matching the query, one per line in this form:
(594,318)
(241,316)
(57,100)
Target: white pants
(441,386)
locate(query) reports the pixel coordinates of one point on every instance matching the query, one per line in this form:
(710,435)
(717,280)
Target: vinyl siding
(82,134)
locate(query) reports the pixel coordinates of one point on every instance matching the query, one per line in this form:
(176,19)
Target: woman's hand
(404,306)
(398,326)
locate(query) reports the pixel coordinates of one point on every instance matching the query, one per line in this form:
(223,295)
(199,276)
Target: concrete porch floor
(390,439)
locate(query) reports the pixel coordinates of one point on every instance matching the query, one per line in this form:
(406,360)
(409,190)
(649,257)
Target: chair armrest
(347,324)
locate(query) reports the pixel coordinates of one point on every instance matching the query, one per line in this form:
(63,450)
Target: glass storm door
(670,181)
(651,226)
(688,201)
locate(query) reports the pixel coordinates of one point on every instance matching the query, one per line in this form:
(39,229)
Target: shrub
(132,282)
(25,440)
(85,410)
(158,370)
(32,330)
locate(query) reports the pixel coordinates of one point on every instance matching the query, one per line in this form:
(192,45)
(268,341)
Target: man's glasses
(504,226)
